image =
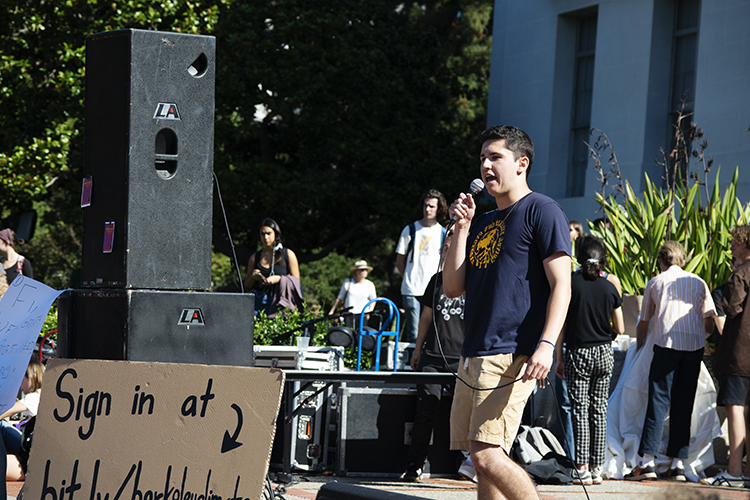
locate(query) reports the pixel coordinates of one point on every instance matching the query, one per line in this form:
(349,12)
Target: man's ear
(523,164)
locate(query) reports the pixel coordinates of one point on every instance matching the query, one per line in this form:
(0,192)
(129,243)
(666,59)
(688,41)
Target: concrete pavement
(306,488)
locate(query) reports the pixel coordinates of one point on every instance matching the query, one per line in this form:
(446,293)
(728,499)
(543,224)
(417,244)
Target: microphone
(474,189)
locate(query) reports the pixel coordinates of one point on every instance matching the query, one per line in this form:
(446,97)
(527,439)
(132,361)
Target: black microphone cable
(229,234)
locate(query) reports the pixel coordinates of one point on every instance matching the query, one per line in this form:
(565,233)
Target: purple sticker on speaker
(86,191)
(109,236)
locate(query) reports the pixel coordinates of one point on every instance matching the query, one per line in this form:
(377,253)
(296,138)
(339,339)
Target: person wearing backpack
(13,262)
(418,256)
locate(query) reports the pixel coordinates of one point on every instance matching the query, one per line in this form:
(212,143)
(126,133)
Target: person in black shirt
(428,357)
(588,363)
(267,266)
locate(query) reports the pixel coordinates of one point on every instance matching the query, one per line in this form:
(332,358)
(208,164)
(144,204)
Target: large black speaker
(156,325)
(148,160)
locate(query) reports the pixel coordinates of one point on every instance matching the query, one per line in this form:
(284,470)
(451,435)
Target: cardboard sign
(120,430)
(23,309)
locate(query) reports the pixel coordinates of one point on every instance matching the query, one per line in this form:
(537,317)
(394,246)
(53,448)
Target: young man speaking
(513,264)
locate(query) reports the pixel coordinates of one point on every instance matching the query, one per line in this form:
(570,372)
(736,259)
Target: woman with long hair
(589,360)
(267,267)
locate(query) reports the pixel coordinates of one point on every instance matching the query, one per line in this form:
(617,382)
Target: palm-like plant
(640,224)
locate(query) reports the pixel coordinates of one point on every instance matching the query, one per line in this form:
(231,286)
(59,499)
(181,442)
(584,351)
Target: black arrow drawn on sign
(230,442)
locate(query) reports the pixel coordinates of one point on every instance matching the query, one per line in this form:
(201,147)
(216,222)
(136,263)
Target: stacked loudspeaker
(147,209)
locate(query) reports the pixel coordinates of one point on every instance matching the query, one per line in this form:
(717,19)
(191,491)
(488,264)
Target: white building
(561,67)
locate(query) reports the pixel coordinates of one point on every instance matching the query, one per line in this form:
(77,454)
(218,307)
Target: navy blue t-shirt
(506,287)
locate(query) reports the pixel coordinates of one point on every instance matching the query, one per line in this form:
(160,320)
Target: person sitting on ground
(13,262)
(31,387)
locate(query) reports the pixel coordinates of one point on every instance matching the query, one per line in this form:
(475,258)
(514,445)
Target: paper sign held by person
(23,309)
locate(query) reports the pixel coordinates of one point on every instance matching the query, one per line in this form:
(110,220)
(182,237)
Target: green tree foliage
(41,106)
(322,278)
(332,117)
(223,274)
(640,224)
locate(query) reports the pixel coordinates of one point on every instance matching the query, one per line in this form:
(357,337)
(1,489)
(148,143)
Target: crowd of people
(497,299)
(514,297)
(502,299)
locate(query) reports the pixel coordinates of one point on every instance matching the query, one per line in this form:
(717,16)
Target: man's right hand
(463,209)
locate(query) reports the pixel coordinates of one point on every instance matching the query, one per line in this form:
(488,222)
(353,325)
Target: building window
(582,94)
(684,66)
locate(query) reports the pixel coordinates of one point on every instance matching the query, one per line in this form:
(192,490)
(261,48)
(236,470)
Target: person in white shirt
(679,308)
(356,291)
(418,256)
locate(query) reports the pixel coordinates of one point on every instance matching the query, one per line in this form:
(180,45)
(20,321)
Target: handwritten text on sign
(23,309)
(118,430)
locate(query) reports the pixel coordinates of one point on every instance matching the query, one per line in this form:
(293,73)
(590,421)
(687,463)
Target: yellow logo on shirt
(486,246)
(424,242)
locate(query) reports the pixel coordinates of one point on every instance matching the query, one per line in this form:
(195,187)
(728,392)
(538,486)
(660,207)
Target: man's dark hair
(442,208)
(516,141)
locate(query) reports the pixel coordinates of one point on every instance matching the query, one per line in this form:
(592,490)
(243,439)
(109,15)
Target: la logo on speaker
(191,317)
(166,111)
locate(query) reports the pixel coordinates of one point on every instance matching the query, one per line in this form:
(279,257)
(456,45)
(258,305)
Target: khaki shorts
(493,416)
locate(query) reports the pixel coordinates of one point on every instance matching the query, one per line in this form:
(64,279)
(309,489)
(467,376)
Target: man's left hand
(539,364)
